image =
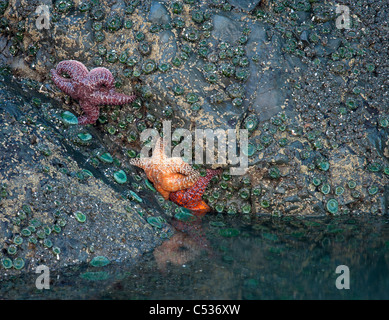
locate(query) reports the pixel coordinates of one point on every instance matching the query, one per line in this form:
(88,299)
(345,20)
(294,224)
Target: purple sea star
(91,88)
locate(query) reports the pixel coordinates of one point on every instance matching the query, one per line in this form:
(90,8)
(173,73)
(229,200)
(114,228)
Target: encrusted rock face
(56,208)
(312,95)
(203,49)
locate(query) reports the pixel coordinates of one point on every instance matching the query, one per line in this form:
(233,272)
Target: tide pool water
(342,257)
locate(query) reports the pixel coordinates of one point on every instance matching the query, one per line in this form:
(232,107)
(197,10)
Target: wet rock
(318,92)
(246,5)
(158,13)
(280,190)
(332,45)
(50,181)
(318,208)
(293,198)
(167,45)
(281,159)
(291,208)
(304,36)
(385,200)
(266,88)
(226,28)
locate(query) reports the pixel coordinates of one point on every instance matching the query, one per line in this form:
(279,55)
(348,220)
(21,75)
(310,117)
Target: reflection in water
(218,257)
(185,245)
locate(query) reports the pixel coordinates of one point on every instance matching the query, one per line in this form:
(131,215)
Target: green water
(221,258)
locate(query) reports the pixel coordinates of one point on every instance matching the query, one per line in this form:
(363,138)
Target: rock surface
(313,96)
(54,199)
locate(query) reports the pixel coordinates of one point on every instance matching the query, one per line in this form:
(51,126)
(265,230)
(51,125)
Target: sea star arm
(159,150)
(100,77)
(141,163)
(165,194)
(185,177)
(175,181)
(192,198)
(62,83)
(200,209)
(75,69)
(169,181)
(103,97)
(91,113)
(185,168)
(102,83)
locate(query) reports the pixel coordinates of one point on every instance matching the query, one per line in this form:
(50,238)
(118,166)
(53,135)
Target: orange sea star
(167,174)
